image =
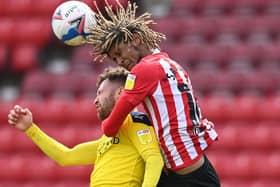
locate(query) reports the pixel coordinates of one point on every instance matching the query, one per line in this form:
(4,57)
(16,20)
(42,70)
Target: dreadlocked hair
(114,74)
(120,27)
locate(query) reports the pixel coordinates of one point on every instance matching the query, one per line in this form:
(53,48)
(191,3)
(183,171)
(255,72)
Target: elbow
(65,160)
(63,163)
(160,161)
(109,132)
(157,158)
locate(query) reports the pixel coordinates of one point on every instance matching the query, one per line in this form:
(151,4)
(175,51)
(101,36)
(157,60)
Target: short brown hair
(115,74)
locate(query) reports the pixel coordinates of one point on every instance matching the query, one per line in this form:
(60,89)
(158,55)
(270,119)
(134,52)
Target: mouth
(97,108)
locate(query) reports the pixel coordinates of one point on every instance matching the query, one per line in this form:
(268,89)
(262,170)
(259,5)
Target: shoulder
(147,63)
(139,117)
(146,71)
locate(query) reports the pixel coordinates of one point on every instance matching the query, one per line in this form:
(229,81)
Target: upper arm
(141,82)
(82,154)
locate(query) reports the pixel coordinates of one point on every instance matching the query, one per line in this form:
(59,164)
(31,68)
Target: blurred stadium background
(231,50)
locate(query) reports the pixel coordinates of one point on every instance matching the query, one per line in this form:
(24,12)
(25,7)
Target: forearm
(111,125)
(61,154)
(153,169)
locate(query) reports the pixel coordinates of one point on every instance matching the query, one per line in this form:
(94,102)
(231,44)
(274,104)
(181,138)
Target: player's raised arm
(82,154)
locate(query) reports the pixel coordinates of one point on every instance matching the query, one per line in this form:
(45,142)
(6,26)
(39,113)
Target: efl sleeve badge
(144,136)
(130,81)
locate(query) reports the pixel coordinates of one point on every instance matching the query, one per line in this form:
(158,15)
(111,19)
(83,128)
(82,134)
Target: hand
(20,118)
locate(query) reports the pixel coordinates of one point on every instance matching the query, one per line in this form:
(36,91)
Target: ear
(136,40)
(118,92)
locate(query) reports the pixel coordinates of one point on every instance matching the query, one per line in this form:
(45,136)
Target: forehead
(107,86)
(103,85)
(116,49)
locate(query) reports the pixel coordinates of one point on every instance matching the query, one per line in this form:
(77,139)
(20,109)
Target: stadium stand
(229,48)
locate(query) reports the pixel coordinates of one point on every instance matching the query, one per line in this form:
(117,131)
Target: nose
(95,100)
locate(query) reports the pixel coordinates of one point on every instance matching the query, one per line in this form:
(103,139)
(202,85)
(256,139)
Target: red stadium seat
(250,3)
(266,165)
(2,8)
(13,141)
(21,144)
(58,110)
(259,38)
(13,167)
(36,31)
(242,164)
(26,167)
(7,28)
(45,8)
(268,55)
(75,82)
(81,55)
(232,24)
(204,80)
(270,108)
(240,52)
(210,53)
(24,58)
(235,136)
(3,56)
(204,26)
(268,24)
(64,83)
(18,7)
(245,108)
(245,80)
(195,54)
(249,108)
(170,27)
(7,138)
(225,81)
(266,81)
(272,8)
(215,8)
(183,7)
(217,108)
(179,53)
(247,165)
(4,110)
(45,183)
(37,81)
(249,183)
(85,111)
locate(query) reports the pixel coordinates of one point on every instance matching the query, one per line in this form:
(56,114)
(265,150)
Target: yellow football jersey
(130,159)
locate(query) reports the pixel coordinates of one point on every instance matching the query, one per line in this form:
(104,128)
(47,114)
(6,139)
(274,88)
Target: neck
(146,52)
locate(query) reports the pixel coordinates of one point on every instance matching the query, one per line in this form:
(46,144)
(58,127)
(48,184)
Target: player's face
(125,55)
(105,98)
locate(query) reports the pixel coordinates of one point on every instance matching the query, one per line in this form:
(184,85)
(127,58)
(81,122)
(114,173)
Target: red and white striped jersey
(165,90)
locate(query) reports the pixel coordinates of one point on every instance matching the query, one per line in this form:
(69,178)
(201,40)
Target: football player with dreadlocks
(165,90)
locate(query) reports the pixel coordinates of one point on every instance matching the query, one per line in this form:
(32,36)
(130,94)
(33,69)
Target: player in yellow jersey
(130,159)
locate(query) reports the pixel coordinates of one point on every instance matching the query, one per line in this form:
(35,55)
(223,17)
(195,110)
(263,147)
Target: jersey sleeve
(82,154)
(141,81)
(143,137)
(139,84)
